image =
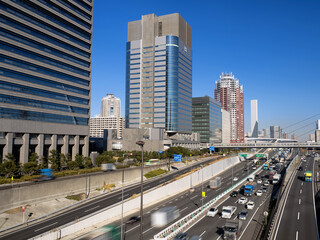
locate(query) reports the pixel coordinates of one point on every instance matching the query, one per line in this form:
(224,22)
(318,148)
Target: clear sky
(272,47)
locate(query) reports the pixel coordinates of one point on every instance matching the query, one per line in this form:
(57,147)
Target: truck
(276,178)
(266,166)
(46,174)
(228,211)
(308,176)
(215,183)
(250,188)
(108,167)
(232,229)
(164,216)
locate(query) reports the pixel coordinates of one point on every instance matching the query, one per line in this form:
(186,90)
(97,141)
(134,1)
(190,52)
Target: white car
(250,205)
(243,200)
(266,183)
(259,181)
(254,167)
(250,179)
(212,212)
(235,179)
(259,193)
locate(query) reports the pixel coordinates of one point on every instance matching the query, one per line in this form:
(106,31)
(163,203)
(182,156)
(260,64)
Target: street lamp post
(141,143)
(122,205)
(201,185)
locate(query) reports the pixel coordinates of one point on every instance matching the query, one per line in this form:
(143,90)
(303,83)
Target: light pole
(201,185)
(141,143)
(122,205)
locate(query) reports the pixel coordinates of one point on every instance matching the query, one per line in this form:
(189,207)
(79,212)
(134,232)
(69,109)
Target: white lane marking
(298,216)
(123,196)
(299,201)
(91,208)
(202,233)
(300,191)
(147,230)
(183,209)
(46,226)
(193,197)
(297,235)
(302,184)
(133,228)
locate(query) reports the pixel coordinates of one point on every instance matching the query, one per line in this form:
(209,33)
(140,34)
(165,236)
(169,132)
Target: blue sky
(272,47)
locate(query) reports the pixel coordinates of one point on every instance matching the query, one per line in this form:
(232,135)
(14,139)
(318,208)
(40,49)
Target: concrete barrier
(149,198)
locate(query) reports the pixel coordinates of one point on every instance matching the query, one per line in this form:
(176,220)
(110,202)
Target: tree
(104,157)
(34,157)
(30,168)
(87,162)
(44,162)
(72,165)
(79,159)
(9,166)
(64,160)
(54,160)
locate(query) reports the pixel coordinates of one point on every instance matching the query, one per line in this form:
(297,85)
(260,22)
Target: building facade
(45,77)
(275,132)
(207,119)
(230,94)
(159,73)
(254,118)
(317,135)
(225,126)
(110,106)
(99,124)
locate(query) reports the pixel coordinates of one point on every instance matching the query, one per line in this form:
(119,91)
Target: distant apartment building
(285,135)
(318,124)
(109,118)
(159,73)
(45,77)
(230,94)
(225,126)
(254,118)
(311,137)
(207,119)
(294,136)
(275,132)
(317,135)
(110,106)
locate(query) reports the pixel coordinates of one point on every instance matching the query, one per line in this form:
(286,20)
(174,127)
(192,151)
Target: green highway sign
(243,155)
(259,155)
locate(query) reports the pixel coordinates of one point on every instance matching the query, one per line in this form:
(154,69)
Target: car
(304,160)
(134,219)
(242,200)
(259,181)
(259,193)
(250,179)
(234,194)
(212,212)
(243,215)
(266,183)
(250,205)
(245,169)
(181,236)
(254,168)
(300,168)
(195,237)
(264,189)
(235,179)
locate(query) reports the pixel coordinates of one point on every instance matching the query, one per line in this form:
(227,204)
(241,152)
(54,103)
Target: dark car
(181,236)
(300,168)
(134,219)
(234,194)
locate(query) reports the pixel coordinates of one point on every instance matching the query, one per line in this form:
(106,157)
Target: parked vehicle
(108,167)
(264,189)
(232,229)
(212,212)
(134,219)
(250,188)
(234,194)
(276,178)
(271,174)
(163,216)
(308,176)
(259,181)
(266,166)
(235,179)
(215,183)
(243,215)
(266,183)
(181,236)
(228,211)
(259,193)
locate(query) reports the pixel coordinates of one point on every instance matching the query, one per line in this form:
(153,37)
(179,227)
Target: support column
(9,142)
(40,145)
(85,147)
(65,146)
(75,148)
(24,151)
(53,145)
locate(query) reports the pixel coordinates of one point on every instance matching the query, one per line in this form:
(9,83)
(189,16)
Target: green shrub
(155,173)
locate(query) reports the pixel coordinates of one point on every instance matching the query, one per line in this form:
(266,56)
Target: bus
(109,232)
(152,162)
(308,176)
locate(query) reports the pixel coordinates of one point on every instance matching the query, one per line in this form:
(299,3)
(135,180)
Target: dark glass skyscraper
(45,75)
(159,73)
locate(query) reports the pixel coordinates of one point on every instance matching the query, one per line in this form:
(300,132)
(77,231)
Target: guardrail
(190,219)
(270,145)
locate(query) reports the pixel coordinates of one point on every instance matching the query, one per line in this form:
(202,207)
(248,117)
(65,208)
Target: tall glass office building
(207,119)
(159,73)
(45,74)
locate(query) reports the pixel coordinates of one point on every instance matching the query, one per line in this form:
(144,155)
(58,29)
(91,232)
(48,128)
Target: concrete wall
(18,196)
(149,198)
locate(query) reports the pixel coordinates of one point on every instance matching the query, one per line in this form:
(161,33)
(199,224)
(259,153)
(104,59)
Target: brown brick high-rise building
(230,94)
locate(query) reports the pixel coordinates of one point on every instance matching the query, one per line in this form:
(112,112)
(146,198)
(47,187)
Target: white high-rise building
(318,124)
(254,118)
(110,106)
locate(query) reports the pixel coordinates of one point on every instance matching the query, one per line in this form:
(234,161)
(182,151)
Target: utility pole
(141,143)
